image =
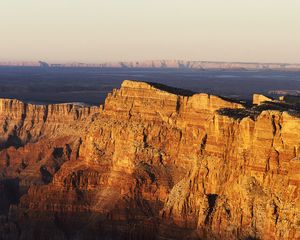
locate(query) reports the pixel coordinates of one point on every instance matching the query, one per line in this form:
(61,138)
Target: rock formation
(154,162)
(259,99)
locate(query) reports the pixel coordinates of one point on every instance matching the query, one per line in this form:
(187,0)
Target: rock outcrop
(22,123)
(153,163)
(36,139)
(259,99)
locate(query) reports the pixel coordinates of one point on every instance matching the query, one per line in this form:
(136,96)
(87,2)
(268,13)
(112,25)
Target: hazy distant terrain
(166,64)
(90,85)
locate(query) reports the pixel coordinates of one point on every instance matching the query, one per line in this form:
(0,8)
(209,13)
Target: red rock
(153,164)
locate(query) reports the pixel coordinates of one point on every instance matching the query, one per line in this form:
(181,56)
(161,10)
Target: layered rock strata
(153,163)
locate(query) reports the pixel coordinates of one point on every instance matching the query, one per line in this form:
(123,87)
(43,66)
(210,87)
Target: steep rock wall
(158,162)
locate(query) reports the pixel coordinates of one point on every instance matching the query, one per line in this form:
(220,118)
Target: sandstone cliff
(35,136)
(153,163)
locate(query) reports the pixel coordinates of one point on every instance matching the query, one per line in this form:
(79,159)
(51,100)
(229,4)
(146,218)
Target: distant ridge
(166,64)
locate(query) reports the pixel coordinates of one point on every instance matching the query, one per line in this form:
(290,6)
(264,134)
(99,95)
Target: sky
(95,31)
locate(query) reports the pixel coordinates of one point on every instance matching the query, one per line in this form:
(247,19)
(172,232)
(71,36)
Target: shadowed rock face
(153,163)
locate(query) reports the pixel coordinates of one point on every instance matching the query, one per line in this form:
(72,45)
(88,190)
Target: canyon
(152,162)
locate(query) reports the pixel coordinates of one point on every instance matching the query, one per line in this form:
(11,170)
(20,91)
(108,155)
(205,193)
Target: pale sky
(112,30)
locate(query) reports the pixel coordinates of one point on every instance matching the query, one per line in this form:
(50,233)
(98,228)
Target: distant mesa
(43,64)
(259,99)
(285,92)
(168,64)
(293,99)
(288,100)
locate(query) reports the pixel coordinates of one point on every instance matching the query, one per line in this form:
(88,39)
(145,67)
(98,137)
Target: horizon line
(144,60)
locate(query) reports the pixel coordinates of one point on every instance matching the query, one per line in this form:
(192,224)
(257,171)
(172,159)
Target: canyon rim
(152,162)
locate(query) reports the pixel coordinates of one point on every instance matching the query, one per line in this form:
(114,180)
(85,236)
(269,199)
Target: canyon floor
(152,162)
(91,85)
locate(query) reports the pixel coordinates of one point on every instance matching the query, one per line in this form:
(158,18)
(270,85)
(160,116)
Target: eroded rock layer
(153,163)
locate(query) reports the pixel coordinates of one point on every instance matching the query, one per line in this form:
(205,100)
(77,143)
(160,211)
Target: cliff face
(154,163)
(34,139)
(22,123)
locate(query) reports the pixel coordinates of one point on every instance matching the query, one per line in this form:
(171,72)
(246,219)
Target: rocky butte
(153,162)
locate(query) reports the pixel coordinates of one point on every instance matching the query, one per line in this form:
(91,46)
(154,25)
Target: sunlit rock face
(260,99)
(153,163)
